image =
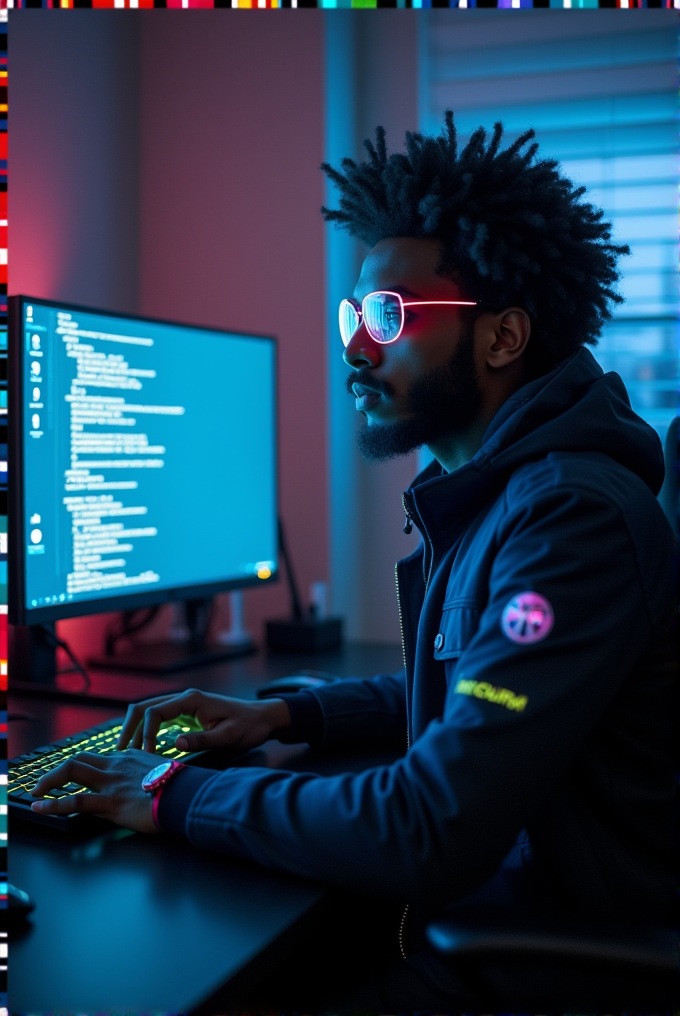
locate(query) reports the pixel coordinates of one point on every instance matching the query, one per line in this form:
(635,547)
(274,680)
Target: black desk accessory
(304,631)
(296,682)
(19,904)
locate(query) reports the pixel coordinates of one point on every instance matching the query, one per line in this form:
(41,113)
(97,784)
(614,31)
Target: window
(600,89)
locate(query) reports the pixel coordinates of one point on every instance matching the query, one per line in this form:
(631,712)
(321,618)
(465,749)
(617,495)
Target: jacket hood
(576,407)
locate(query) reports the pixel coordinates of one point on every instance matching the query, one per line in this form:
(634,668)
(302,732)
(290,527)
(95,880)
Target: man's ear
(509,333)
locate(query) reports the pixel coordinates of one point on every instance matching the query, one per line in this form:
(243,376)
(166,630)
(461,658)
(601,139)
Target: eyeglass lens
(349,321)
(382,317)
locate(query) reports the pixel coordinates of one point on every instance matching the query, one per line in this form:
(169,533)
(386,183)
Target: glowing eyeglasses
(383,314)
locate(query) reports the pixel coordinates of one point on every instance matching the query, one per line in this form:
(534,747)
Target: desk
(180,923)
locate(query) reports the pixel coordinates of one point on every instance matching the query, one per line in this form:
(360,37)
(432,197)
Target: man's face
(424,386)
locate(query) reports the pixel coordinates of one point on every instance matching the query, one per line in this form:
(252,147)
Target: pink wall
(231,138)
(72,195)
(73,157)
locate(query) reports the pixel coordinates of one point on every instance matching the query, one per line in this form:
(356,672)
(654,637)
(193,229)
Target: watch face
(155,774)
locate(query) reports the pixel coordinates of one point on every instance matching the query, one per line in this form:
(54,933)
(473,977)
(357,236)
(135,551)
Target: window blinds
(600,89)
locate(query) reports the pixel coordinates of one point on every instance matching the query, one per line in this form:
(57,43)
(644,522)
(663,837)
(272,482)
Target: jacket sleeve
(351,713)
(438,822)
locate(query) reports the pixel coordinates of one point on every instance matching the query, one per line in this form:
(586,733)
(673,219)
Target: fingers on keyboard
(27,769)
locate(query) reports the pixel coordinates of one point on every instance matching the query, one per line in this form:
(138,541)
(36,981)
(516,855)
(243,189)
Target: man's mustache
(369,380)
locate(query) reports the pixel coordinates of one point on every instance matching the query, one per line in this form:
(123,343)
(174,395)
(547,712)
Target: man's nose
(362,350)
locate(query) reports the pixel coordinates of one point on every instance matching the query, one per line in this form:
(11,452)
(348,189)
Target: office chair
(544,963)
(541,962)
(668,495)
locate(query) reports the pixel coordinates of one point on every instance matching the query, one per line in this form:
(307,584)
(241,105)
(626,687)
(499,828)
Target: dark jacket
(543,721)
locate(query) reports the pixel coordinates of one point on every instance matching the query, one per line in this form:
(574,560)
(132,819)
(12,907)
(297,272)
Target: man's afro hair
(513,231)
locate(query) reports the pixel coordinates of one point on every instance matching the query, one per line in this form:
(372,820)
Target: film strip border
(179,4)
(3,505)
(331,4)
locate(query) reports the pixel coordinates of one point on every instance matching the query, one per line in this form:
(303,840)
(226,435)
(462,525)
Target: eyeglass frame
(359,309)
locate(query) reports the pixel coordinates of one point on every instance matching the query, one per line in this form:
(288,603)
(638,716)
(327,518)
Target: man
(537,693)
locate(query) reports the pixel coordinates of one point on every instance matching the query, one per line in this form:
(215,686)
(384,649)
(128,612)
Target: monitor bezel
(18,612)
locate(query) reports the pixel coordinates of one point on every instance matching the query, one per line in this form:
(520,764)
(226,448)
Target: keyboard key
(24,796)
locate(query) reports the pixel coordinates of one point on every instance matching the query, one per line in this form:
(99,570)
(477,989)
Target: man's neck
(454,450)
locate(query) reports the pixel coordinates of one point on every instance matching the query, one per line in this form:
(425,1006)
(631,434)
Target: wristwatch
(155,780)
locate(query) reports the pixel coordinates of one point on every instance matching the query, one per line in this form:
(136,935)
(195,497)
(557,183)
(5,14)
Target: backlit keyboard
(24,771)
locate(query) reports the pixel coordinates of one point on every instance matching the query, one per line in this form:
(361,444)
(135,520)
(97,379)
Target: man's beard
(443,402)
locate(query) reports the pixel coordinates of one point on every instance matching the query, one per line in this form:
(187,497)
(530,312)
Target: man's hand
(115,780)
(226,722)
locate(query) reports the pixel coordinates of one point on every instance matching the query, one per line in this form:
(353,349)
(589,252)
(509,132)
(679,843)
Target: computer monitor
(143,461)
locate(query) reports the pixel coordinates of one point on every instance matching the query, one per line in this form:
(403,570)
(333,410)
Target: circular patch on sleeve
(528,617)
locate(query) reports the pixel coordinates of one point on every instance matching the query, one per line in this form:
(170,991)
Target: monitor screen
(144,458)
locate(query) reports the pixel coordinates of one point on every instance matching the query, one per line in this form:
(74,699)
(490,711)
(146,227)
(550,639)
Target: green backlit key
(25,771)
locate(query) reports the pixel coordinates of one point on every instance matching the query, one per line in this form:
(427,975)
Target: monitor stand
(33,666)
(33,673)
(195,650)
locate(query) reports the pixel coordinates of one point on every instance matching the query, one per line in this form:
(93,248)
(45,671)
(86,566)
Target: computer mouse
(296,682)
(19,903)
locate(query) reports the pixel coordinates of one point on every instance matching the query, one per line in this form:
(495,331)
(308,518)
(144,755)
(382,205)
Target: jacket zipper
(403,644)
(402,926)
(408,736)
(408,524)
(408,528)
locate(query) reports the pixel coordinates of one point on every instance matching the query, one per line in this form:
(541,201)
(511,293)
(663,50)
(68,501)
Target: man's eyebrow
(403,291)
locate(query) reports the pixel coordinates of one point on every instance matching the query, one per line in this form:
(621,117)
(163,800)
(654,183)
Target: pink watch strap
(176,766)
(154,806)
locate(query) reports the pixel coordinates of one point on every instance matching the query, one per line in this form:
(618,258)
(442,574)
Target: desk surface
(125,922)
